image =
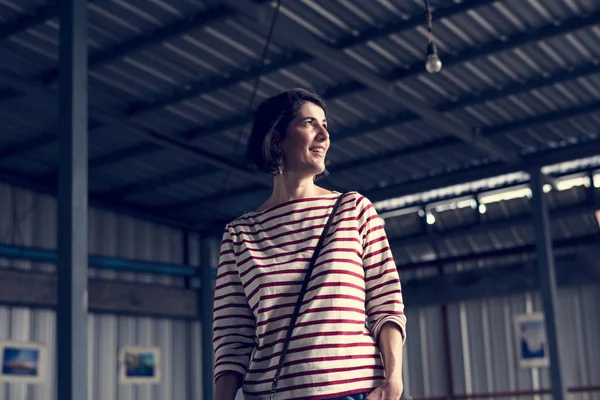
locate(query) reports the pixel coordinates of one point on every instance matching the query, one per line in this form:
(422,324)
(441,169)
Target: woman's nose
(323,134)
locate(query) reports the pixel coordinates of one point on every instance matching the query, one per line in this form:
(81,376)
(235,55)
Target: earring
(280,166)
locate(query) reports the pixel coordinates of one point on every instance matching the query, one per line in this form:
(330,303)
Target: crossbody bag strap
(302,292)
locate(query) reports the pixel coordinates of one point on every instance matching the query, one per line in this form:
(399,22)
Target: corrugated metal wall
(179,342)
(483,348)
(29,219)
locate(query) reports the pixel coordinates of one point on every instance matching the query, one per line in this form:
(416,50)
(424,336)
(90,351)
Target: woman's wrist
(390,343)
(227,385)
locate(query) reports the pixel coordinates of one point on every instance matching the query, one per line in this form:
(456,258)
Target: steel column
(72,266)
(547,275)
(447,355)
(206,314)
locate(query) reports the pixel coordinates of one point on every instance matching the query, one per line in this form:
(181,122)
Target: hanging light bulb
(432,64)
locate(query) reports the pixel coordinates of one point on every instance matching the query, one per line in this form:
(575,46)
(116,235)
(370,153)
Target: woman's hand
(387,391)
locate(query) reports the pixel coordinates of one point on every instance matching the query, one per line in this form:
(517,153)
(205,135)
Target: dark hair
(274,115)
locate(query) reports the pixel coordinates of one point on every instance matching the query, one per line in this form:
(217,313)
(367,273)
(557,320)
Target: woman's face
(306,142)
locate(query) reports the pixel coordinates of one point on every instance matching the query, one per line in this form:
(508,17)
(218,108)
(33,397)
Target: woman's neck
(288,187)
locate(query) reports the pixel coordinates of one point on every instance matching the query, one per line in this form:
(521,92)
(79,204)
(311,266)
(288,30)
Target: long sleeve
(233,323)
(384,302)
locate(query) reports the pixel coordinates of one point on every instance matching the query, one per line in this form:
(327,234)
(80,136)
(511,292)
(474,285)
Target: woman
(351,323)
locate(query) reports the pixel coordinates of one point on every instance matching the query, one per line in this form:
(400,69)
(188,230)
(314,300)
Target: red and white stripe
(354,290)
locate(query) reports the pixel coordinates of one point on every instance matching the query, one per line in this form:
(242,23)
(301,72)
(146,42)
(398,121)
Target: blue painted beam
(72,227)
(110,263)
(38,255)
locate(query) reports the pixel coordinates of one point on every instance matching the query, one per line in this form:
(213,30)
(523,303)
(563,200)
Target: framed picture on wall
(532,346)
(23,362)
(139,365)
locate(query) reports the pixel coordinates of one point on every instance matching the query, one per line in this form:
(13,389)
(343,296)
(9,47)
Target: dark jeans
(360,396)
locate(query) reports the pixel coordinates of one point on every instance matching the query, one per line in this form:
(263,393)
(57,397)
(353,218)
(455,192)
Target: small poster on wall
(22,362)
(531,340)
(139,365)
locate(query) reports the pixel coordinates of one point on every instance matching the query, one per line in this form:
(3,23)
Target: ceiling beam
(535,160)
(27,21)
(520,39)
(383,123)
(158,181)
(47,95)
(158,36)
(571,73)
(122,49)
(486,49)
(517,221)
(20,179)
(291,59)
(188,173)
(470,100)
(496,281)
(544,119)
(38,291)
(397,119)
(410,153)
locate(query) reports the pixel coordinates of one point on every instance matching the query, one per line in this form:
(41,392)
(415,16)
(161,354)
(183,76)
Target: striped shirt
(354,290)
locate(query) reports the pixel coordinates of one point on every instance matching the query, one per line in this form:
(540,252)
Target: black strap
(302,292)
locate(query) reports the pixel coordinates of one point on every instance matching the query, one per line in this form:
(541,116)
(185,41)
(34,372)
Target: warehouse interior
(122,135)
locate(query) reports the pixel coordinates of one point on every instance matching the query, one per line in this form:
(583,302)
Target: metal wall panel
(179,343)
(29,219)
(483,348)
(423,352)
